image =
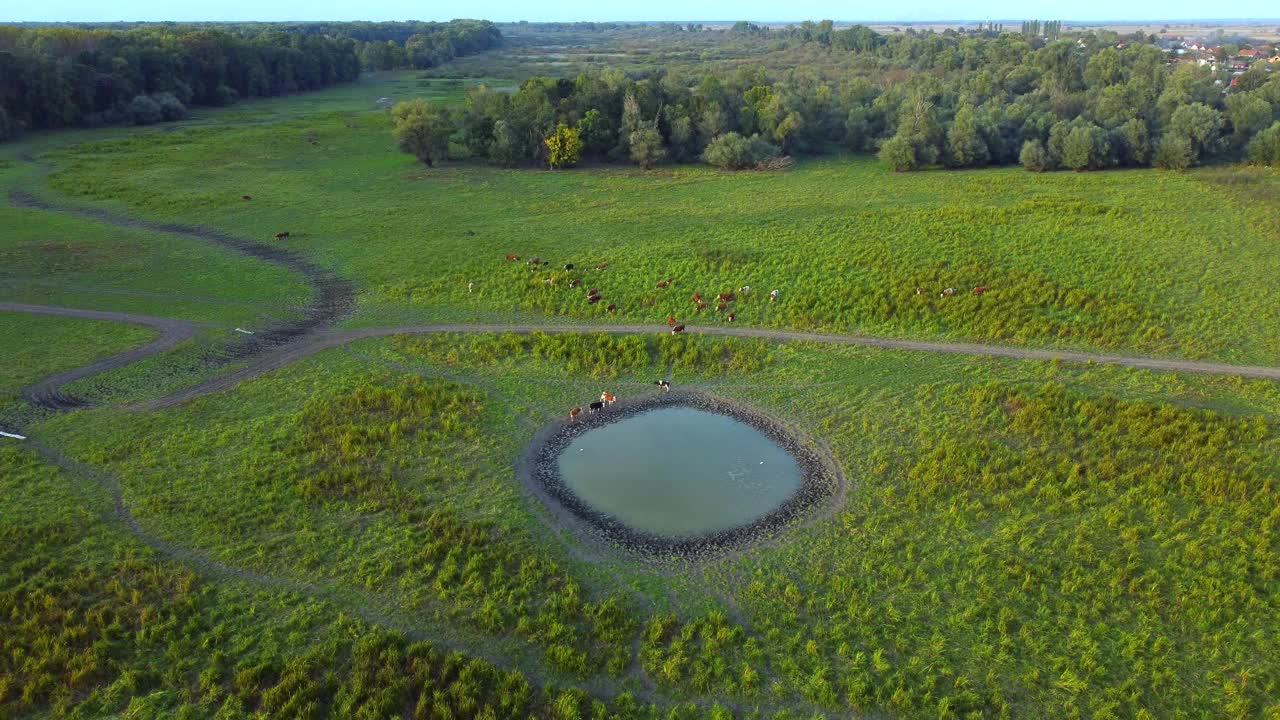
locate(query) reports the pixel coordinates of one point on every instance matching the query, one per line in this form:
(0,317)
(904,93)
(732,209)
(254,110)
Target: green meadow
(347,535)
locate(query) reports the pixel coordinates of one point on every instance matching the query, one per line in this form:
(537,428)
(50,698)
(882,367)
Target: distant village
(1229,59)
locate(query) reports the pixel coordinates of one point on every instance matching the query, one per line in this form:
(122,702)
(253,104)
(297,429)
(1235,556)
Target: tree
(564,147)
(1086,148)
(1034,157)
(422,129)
(171,108)
(597,135)
(145,111)
(1133,141)
(1249,114)
(1264,149)
(732,151)
(505,148)
(7,126)
(965,146)
(857,129)
(1200,126)
(646,147)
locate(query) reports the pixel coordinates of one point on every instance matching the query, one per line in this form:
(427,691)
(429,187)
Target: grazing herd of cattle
(594,297)
(607,399)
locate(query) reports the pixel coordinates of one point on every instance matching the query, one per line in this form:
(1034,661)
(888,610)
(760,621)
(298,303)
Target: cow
(282,236)
(671,320)
(593,291)
(568,266)
(702,306)
(731,317)
(574,283)
(664,385)
(697,298)
(469,286)
(947,293)
(664,285)
(920,291)
(980,290)
(513,257)
(773,296)
(722,307)
(602,266)
(593,299)
(744,289)
(677,330)
(246,197)
(608,398)
(611,308)
(726,297)
(535,261)
(574,413)
(593,407)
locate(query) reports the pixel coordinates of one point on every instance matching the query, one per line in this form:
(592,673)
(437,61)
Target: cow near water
(574,413)
(663,385)
(595,406)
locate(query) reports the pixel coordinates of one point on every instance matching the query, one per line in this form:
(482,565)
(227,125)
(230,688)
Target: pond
(679,472)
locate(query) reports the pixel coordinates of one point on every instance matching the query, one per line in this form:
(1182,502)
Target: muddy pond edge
(537,467)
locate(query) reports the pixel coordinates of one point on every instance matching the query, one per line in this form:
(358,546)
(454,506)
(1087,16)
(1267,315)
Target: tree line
(918,99)
(64,76)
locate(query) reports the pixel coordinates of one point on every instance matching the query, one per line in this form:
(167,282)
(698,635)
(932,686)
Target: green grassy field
(1154,263)
(347,535)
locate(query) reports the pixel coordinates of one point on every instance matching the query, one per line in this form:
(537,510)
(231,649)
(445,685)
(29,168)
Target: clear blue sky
(683,10)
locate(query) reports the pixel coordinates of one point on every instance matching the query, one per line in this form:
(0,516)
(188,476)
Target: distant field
(1158,263)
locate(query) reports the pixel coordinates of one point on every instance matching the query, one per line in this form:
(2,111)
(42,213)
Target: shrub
(1034,157)
(898,154)
(1175,153)
(145,111)
(732,151)
(7,129)
(171,108)
(225,95)
(1265,147)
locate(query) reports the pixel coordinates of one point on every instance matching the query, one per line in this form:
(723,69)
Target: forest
(957,99)
(66,76)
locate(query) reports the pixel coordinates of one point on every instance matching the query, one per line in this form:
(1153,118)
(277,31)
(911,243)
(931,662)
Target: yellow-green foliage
(341,438)
(595,354)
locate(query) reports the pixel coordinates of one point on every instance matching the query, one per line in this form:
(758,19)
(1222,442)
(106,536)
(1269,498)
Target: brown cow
(671,320)
(920,291)
(664,284)
(574,413)
(593,299)
(980,290)
(593,291)
(282,236)
(611,308)
(721,307)
(602,266)
(677,330)
(513,257)
(697,298)
(731,317)
(726,297)
(574,283)
(608,398)
(702,306)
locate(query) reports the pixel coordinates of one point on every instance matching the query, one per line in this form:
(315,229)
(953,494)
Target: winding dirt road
(47,393)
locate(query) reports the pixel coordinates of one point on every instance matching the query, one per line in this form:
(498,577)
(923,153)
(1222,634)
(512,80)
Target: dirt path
(48,392)
(333,297)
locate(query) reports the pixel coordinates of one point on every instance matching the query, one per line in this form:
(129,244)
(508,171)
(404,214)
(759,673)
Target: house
(1248,53)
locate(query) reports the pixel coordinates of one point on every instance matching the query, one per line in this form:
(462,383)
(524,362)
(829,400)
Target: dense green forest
(61,76)
(960,99)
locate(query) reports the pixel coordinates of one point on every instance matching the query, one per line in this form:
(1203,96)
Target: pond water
(679,472)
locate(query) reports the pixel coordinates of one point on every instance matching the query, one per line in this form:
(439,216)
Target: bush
(732,151)
(1265,147)
(145,111)
(899,154)
(225,95)
(1175,153)
(1034,157)
(171,108)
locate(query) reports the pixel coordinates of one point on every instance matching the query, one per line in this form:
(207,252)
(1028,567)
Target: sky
(680,10)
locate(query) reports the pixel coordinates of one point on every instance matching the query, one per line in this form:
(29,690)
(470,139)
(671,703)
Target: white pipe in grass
(11,435)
